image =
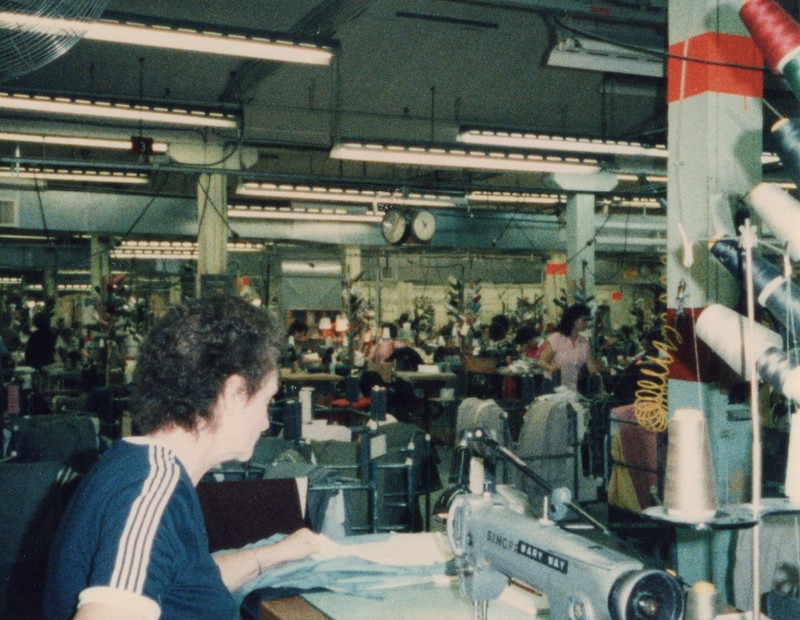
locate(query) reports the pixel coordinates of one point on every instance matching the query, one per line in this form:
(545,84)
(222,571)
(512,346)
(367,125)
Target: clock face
(395,227)
(424,225)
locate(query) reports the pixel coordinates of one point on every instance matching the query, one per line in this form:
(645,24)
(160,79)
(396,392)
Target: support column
(212,229)
(715,127)
(580,228)
(212,201)
(50,288)
(352,262)
(100,271)
(555,279)
(352,272)
(580,243)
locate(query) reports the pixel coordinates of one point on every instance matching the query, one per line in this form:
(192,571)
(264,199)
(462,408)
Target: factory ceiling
(413,73)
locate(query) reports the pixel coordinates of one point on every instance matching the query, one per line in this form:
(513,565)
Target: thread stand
(745,515)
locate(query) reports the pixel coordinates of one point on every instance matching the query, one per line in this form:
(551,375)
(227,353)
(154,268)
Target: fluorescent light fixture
(522,140)
(10,280)
(298,213)
(769,158)
(74,176)
(18,237)
(514,198)
(460,157)
(74,287)
(632,202)
(592,55)
(629,241)
(156,250)
(92,143)
(244,247)
(345,195)
(145,254)
(175,38)
(637,178)
(317,268)
(122,111)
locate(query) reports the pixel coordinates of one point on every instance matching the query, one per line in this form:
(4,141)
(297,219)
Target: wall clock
(395,226)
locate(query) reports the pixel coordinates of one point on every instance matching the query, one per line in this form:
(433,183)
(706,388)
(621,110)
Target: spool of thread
(307,404)
(702,601)
(791,74)
(689,486)
(779,211)
(292,421)
(724,330)
(477,475)
(774,31)
(377,403)
(773,290)
(727,333)
(13,399)
(786,137)
(527,388)
(791,486)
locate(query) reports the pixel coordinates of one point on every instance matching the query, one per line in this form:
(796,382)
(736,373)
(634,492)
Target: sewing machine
(582,579)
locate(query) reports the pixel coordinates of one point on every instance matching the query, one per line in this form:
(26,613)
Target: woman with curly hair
(132,543)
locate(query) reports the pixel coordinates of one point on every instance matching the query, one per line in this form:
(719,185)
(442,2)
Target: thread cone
(689,487)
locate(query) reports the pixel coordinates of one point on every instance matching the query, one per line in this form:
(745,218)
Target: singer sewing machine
(583,580)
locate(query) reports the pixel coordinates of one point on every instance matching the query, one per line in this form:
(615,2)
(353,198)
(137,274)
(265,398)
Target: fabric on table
(347,574)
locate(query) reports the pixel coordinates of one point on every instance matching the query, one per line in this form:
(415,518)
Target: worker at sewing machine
(132,543)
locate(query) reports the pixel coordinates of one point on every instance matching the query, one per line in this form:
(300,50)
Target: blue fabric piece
(344,575)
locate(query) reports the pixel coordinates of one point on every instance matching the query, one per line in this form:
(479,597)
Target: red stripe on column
(686,78)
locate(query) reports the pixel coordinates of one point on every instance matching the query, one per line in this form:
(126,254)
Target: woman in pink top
(384,348)
(566,351)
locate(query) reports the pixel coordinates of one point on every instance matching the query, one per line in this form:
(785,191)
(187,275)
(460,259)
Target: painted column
(715,128)
(580,245)
(50,286)
(212,200)
(212,228)
(100,271)
(581,189)
(555,280)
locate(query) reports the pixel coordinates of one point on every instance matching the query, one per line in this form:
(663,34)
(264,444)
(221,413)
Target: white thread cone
(728,334)
(689,487)
(780,212)
(306,404)
(792,483)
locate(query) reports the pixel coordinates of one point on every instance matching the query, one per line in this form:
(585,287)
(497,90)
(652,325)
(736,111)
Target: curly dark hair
(191,351)
(570,317)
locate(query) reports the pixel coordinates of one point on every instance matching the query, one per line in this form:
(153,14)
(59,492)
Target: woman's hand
(295,546)
(239,567)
